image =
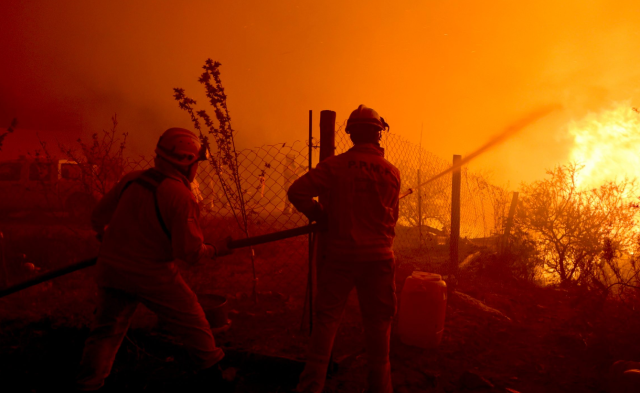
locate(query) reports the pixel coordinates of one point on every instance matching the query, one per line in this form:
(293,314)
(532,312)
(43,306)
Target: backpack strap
(151,180)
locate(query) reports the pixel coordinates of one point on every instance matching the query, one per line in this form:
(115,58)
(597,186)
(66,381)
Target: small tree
(224,157)
(94,168)
(582,235)
(101,159)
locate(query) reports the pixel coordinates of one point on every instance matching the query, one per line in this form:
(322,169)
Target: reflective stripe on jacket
(135,250)
(362,190)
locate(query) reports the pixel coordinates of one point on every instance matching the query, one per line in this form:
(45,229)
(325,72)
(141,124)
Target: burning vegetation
(606,143)
(581,236)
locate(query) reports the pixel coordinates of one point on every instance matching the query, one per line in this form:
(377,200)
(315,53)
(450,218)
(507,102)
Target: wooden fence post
(327,149)
(455,216)
(327,134)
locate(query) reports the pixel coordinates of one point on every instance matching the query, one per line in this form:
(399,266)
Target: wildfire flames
(607,143)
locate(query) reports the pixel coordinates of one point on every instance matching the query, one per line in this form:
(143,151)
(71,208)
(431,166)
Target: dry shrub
(584,236)
(507,268)
(101,159)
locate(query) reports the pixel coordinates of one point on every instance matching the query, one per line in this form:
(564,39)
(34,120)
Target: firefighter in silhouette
(146,222)
(362,190)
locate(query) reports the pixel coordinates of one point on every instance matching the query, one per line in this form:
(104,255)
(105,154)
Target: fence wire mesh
(268,171)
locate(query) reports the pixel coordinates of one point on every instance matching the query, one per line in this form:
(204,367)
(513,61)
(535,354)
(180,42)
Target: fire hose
(289,233)
(233,244)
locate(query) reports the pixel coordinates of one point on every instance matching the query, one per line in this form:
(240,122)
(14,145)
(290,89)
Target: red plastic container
(423,304)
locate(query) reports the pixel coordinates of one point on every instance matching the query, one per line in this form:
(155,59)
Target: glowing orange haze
(464,69)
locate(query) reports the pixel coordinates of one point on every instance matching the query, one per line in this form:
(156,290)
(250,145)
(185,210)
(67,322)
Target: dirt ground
(514,337)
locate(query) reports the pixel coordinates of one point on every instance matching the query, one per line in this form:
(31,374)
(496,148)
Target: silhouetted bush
(584,236)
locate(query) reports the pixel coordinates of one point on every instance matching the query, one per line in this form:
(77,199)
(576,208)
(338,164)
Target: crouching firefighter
(362,191)
(146,222)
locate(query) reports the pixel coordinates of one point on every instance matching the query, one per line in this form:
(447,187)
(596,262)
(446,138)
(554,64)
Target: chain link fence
(268,171)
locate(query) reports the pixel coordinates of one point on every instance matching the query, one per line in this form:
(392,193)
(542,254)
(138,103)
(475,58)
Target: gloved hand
(222,246)
(318,215)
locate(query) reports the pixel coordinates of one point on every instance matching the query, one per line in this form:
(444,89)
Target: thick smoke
(464,69)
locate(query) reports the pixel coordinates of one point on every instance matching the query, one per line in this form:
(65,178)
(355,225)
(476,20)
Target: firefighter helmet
(181,147)
(366,115)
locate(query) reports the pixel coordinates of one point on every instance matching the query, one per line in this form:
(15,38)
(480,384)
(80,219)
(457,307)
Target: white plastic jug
(423,304)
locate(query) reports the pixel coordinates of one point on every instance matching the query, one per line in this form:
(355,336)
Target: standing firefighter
(361,189)
(146,222)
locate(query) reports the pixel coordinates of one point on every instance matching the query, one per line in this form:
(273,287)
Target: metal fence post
(455,216)
(311,235)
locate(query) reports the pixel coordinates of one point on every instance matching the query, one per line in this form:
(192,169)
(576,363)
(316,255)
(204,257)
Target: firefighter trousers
(177,308)
(375,286)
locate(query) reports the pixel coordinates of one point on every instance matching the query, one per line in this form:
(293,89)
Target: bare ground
(553,340)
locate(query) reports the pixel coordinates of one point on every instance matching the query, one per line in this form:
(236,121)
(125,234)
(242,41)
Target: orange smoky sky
(461,69)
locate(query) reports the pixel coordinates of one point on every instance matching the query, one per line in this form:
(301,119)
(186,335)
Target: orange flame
(607,143)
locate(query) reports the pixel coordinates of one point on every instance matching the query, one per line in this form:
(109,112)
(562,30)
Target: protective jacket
(137,252)
(362,190)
